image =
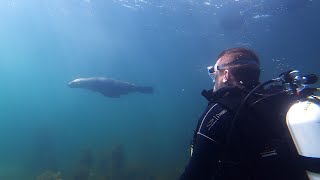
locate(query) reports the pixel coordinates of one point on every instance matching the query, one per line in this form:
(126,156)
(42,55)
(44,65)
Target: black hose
(233,122)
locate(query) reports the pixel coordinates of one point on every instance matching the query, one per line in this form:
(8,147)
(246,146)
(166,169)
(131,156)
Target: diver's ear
(226,76)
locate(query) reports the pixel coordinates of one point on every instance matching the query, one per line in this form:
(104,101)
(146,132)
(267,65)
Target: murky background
(50,130)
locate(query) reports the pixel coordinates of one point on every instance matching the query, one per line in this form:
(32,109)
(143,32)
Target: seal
(109,87)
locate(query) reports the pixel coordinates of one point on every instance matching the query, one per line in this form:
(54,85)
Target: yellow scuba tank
(303,121)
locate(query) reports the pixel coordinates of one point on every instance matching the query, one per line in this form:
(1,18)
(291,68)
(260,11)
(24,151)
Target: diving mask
(211,72)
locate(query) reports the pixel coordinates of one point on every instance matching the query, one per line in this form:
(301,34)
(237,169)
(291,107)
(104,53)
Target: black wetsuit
(247,144)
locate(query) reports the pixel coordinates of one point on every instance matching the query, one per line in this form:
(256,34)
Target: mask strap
(238,62)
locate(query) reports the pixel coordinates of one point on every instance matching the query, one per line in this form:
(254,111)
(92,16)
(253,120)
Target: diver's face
(221,77)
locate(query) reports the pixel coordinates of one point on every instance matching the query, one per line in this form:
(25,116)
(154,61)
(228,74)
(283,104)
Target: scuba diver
(253,130)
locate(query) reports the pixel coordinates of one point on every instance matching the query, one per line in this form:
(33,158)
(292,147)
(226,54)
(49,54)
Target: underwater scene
(56,123)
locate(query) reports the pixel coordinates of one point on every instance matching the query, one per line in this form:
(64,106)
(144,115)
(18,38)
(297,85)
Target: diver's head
(236,66)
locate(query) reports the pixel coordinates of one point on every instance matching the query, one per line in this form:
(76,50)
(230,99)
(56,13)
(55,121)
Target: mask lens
(210,69)
(211,73)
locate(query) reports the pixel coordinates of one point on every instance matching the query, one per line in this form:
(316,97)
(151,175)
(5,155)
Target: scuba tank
(303,121)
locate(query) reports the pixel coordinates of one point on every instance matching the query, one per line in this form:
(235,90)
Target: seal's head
(77,83)
(87,83)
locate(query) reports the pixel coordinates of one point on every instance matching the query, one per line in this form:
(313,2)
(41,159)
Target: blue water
(46,126)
